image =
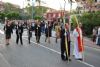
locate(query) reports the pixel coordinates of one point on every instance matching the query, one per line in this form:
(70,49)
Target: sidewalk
(89,43)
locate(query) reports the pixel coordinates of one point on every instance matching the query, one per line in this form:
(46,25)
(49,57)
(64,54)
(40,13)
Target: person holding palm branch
(62,43)
(78,43)
(68,39)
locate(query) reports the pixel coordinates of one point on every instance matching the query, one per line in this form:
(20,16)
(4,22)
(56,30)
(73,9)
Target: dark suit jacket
(37,30)
(19,30)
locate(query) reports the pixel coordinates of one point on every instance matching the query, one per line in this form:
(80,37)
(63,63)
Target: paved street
(80,18)
(43,54)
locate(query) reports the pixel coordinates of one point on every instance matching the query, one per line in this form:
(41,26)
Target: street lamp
(32,9)
(32,6)
(42,8)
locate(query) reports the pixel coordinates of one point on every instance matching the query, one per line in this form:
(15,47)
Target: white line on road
(60,53)
(86,63)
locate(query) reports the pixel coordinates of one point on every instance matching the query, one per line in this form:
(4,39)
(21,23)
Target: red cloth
(80,41)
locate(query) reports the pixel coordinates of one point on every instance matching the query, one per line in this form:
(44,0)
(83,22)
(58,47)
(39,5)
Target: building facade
(84,5)
(1,6)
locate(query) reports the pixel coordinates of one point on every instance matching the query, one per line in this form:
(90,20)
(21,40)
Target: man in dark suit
(29,28)
(19,32)
(37,31)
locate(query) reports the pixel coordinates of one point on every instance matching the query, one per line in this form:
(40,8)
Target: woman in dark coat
(8,31)
(48,31)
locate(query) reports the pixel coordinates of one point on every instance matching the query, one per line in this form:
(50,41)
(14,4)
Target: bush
(89,21)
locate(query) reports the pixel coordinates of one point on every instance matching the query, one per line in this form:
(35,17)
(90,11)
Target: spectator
(98,37)
(94,35)
(8,31)
(19,33)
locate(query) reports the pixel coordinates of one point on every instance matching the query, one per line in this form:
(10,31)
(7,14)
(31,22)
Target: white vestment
(77,54)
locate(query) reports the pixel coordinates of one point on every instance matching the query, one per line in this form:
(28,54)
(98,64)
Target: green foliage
(13,12)
(10,7)
(73,21)
(89,21)
(37,17)
(12,15)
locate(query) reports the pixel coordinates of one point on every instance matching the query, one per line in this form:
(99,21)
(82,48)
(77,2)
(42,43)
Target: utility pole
(42,8)
(32,9)
(32,2)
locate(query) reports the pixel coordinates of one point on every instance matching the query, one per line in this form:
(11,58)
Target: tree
(13,15)
(2,16)
(89,21)
(10,7)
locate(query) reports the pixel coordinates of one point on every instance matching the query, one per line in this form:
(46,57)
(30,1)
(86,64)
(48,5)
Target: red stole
(80,40)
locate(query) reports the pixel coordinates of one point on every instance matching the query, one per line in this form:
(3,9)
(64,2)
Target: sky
(56,4)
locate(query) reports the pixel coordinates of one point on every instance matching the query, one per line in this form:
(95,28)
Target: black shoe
(63,58)
(45,40)
(80,59)
(17,43)
(7,44)
(70,60)
(21,43)
(56,41)
(38,41)
(29,42)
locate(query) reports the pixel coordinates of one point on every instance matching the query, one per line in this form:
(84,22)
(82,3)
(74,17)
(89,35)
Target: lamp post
(32,9)
(43,9)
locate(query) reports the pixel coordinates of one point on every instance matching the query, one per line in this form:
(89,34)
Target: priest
(78,43)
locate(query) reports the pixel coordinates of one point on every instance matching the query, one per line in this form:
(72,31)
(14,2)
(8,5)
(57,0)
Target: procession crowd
(62,32)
